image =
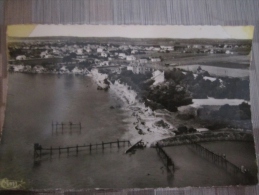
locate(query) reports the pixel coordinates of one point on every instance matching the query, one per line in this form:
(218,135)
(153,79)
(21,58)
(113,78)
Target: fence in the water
(241,173)
(165,158)
(57,127)
(39,151)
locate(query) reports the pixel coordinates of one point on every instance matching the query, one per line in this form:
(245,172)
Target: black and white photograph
(108,106)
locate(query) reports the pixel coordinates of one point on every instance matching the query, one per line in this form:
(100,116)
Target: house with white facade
(122,55)
(155,59)
(130,58)
(99,50)
(143,60)
(21,57)
(104,54)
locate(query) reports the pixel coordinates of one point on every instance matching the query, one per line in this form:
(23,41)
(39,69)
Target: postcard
(106,106)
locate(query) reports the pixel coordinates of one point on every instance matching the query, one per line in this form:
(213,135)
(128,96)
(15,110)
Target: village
(65,56)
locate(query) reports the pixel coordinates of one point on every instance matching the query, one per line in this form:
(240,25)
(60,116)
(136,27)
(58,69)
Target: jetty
(138,144)
(241,173)
(39,150)
(165,158)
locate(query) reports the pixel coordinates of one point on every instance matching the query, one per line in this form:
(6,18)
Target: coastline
(142,122)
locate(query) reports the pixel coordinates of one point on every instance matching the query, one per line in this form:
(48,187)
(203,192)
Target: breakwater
(205,137)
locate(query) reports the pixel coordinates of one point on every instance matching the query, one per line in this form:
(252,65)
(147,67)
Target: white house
(143,60)
(21,57)
(130,58)
(155,59)
(134,51)
(200,130)
(122,55)
(104,54)
(169,48)
(99,50)
(43,54)
(79,51)
(104,63)
(48,56)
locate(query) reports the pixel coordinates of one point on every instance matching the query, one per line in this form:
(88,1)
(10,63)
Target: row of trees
(167,95)
(200,88)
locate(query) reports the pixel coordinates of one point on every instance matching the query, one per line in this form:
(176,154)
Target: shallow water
(34,101)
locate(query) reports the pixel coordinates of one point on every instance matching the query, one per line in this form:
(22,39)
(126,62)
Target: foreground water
(34,101)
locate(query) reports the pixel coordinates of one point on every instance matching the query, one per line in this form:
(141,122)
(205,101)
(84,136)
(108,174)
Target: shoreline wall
(188,139)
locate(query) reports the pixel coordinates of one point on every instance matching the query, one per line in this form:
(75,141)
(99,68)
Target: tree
(169,96)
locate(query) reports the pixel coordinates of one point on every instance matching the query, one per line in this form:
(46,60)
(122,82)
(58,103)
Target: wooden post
(118,143)
(36,146)
(90,146)
(76,149)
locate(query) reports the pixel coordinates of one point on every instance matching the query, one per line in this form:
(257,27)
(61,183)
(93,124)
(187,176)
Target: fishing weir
(241,173)
(165,158)
(57,127)
(39,151)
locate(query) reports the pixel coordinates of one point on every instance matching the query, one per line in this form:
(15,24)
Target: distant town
(62,56)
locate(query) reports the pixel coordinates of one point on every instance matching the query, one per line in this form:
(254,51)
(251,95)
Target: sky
(133,31)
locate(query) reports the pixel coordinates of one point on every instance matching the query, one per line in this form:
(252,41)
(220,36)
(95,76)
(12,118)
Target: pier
(241,173)
(165,158)
(39,151)
(57,127)
(138,144)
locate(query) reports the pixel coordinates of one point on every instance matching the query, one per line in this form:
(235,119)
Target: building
(79,51)
(155,59)
(130,58)
(100,50)
(21,57)
(104,63)
(143,60)
(104,54)
(122,55)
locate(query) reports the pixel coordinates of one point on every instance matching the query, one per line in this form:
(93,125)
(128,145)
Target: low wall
(206,137)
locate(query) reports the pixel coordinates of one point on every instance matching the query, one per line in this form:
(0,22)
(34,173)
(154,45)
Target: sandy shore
(142,122)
